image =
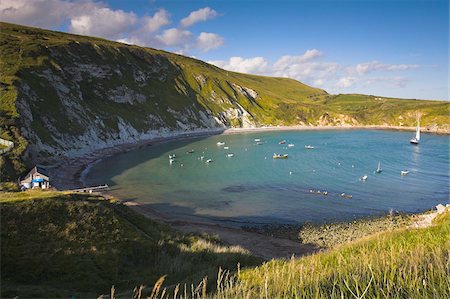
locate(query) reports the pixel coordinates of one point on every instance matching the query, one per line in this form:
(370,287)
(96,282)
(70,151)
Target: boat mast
(418,128)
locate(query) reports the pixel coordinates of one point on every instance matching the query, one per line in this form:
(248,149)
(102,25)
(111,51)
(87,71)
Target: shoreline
(72,175)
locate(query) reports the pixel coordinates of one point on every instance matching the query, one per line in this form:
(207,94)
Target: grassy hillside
(62,94)
(404,263)
(57,244)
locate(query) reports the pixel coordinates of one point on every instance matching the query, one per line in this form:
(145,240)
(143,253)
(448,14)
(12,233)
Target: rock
(440,208)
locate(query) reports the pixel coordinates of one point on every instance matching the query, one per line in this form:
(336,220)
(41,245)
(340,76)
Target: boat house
(36,178)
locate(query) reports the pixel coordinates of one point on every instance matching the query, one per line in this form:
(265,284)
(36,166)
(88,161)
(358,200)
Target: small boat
(225,147)
(404,172)
(309,147)
(230,155)
(202,157)
(325,192)
(171,161)
(257,139)
(277,156)
(220,143)
(379,169)
(172,156)
(416,139)
(190,151)
(209,161)
(346,195)
(291,145)
(259,143)
(282,142)
(363,178)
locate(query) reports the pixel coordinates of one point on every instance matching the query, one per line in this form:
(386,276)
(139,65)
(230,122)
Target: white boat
(171,161)
(404,172)
(259,143)
(257,139)
(363,178)
(291,145)
(416,139)
(230,155)
(209,161)
(379,169)
(190,151)
(172,156)
(282,142)
(309,147)
(277,156)
(220,143)
(225,147)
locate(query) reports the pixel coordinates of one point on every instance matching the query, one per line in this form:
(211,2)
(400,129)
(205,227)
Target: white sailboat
(416,139)
(379,169)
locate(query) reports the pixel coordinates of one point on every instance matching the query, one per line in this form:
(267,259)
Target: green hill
(55,244)
(63,95)
(58,244)
(403,263)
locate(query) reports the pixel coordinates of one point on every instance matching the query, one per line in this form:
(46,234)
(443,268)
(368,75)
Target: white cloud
(208,41)
(255,65)
(345,82)
(287,60)
(155,22)
(175,37)
(41,13)
(367,67)
(308,68)
(199,15)
(103,22)
(95,18)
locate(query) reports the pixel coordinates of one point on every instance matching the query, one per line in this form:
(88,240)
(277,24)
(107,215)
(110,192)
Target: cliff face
(65,95)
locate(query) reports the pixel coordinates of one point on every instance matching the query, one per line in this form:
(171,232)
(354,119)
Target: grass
(57,244)
(404,263)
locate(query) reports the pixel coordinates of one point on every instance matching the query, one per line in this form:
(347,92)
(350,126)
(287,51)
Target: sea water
(252,188)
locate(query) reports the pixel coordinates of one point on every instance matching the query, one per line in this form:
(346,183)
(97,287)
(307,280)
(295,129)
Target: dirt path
(259,245)
(426,220)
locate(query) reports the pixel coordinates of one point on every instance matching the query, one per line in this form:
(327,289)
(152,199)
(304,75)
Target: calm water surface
(253,188)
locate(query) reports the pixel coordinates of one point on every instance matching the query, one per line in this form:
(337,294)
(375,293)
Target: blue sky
(386,48)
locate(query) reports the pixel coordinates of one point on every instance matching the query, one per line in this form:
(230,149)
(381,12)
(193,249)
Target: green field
(404,263)
(57,244)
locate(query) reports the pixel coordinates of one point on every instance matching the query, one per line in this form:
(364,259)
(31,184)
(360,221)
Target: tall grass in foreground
(406,263)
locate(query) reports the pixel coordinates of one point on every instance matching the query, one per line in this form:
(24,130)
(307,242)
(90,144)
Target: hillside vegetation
(54,245)
(63,95)
(59,244)
(404,263)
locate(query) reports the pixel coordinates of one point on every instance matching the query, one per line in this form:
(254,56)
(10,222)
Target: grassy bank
(58,244)
(403,263)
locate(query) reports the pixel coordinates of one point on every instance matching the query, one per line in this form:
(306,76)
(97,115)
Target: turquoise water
(253,188)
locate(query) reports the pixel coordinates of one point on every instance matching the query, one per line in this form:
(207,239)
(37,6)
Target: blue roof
(38,180)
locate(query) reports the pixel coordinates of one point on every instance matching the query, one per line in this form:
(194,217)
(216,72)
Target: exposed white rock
(123,94)
(247,92)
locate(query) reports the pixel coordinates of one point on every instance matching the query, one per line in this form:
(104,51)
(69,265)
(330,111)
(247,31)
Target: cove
(251,188)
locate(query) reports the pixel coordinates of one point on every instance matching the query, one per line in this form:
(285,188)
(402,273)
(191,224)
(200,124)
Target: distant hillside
(65,95)
(54,245)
